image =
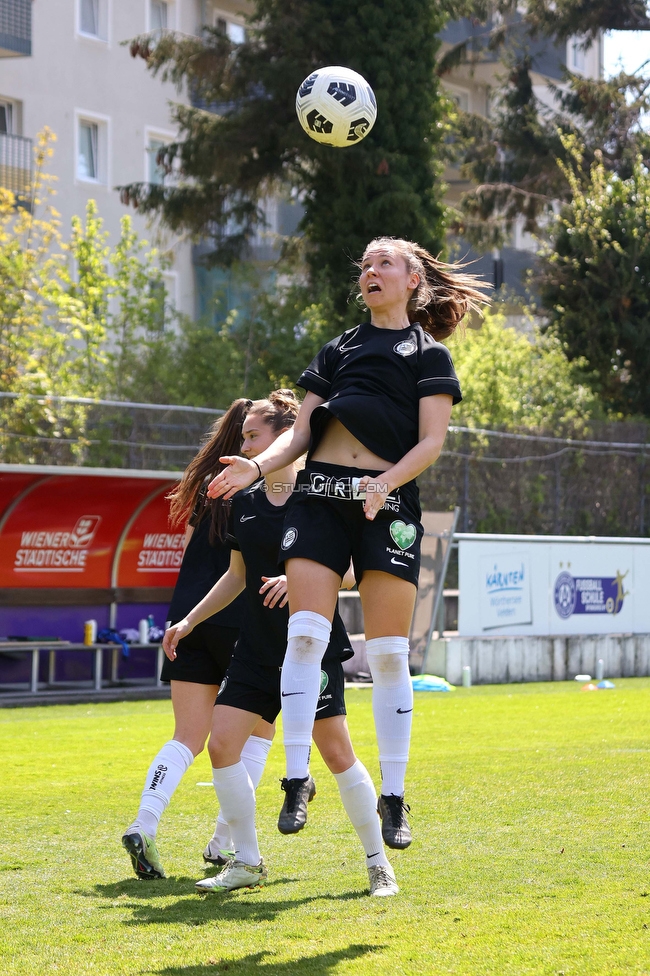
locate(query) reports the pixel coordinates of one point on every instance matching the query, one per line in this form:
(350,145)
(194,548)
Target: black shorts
(256,688)
(325,522)
(203,656)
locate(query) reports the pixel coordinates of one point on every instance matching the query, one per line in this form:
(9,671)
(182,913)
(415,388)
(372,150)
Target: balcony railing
(15,28)
(15,164)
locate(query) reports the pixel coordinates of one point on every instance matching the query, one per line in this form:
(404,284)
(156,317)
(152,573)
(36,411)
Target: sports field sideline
(531,849)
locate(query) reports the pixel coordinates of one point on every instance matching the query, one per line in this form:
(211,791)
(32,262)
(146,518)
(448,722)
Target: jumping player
(202,658)
(251,688)
(375,416)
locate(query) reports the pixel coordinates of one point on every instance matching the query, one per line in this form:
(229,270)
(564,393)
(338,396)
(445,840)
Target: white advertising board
(546,586)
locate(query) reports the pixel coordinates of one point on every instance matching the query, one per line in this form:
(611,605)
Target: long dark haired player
(375,416)
(203,657)
(251,688)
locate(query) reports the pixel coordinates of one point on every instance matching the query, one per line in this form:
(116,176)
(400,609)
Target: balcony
(15,28)
(15,164)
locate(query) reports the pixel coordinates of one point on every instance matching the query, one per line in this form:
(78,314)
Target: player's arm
(288,447)
(434,416)
(349,579)
(189,532)
(222,593)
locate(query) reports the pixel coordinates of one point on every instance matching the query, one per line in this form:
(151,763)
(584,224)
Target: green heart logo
(403,534)
(324,681)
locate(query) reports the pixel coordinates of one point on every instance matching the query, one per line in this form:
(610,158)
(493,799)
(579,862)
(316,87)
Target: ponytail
(223,438)
(445,293)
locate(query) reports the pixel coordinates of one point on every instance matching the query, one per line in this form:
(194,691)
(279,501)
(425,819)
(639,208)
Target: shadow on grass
(260,962)
(193,908)
(160,888)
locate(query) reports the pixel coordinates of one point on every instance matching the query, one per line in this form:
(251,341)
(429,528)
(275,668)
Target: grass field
(531,851)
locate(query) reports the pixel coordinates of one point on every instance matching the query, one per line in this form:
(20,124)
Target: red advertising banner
(153,549)
(66,530)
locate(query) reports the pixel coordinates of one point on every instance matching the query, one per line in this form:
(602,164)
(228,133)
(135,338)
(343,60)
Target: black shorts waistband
(324,480)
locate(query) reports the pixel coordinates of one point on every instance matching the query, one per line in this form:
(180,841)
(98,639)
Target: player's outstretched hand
(376,494)
(173,635)
(239,473)
(275,588)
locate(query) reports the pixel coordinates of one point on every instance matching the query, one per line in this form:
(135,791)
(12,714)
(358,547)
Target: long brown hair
(445,294)
(223,438)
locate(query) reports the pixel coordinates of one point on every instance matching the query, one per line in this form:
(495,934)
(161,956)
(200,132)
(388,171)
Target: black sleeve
(436,373)
(199,506)
(230,539)
(317,378)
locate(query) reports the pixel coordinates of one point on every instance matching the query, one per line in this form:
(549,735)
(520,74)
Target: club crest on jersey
(406,347)
(289,538)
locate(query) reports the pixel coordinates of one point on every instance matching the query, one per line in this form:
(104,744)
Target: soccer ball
(336,106)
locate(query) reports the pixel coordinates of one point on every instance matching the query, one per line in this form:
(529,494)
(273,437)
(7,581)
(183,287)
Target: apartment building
(472,86)
(64,64)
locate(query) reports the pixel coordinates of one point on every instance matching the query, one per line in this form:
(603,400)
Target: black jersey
(256,529)
(372,380)
(203,564)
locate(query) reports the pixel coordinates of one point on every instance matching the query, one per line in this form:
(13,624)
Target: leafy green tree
(594,280)
(230,158)
(512,380)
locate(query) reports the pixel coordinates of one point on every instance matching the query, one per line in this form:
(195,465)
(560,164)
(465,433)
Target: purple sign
(588,594)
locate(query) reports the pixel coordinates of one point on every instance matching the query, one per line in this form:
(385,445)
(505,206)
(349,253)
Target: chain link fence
(526,482)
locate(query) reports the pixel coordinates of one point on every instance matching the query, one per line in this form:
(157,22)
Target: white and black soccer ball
(336,106)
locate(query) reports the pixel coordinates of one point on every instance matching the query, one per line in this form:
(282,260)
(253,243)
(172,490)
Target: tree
(250,143)
(511,380)
(595,276)
(512,156)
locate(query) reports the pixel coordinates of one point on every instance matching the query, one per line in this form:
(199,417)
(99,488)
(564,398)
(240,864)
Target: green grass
(530,815)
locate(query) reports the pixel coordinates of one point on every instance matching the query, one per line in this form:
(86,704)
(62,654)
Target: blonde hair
(445,293)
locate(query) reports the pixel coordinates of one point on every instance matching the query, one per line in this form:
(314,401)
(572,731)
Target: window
(235,32)
(155,172)
(91,147)
(6,118)
(87,168)
(89,17)
(159,15)
(577,53)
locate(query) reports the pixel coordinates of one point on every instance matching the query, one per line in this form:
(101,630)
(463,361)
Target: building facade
(67,66)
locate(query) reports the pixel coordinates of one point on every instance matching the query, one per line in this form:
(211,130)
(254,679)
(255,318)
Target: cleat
(293,815)
(144,855)
(236,874)
(213,854)
(394,825)
(382,881)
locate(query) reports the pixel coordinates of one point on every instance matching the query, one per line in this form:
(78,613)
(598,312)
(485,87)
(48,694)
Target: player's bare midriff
(339,446)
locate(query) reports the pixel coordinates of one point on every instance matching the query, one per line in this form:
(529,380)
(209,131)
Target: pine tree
(246,141)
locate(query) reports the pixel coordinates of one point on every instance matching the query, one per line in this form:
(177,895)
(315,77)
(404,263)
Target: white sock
(236,798)
(254,756)
(360,802)
(308,636)
(392,706)
(165,773)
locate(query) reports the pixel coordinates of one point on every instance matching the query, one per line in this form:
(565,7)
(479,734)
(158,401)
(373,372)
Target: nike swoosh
(320,709)
(345,349)
(404,711)
(396,562)
(285,694)
(373,855)
(247,518)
